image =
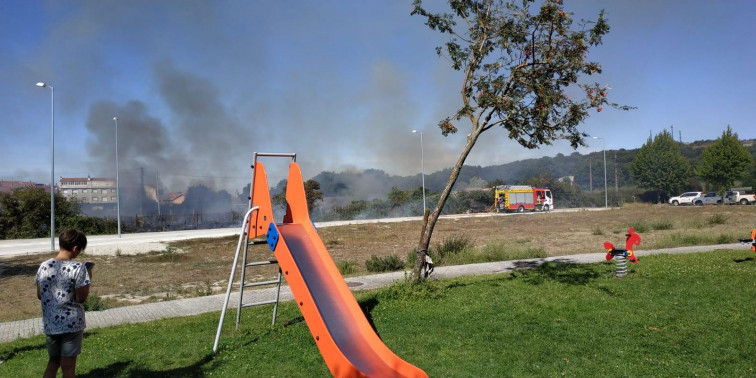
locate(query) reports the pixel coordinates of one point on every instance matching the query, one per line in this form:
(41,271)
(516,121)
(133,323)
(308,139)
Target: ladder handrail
(245,225)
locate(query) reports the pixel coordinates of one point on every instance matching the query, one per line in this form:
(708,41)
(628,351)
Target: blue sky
(198,86)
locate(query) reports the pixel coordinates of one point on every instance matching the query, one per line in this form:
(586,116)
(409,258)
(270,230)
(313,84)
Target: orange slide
(347,342)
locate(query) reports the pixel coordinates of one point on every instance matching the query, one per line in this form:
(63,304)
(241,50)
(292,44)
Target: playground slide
(347,342)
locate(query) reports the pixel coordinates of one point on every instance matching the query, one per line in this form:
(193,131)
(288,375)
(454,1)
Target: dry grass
(201,267)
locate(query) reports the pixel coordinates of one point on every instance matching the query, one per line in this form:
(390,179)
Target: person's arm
(82,293)
(39,294)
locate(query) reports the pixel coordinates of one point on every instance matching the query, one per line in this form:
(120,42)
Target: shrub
(597,230)
(665,224)
(451,246)
(96,303)
(347,267)
(716,219)
(639,226)
(384,264)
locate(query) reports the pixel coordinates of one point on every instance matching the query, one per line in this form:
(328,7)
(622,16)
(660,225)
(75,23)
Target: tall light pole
(118,186)
(422,166)
(52,163)
(606,196)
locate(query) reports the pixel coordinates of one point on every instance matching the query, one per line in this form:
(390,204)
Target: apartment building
(93,191)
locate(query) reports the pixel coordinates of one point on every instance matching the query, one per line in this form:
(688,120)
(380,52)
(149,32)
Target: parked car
(742,196)
(684,199)
(710,198)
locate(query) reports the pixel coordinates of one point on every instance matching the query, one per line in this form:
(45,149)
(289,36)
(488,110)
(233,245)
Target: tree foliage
(312,193)
(725,161)
(522,63)
(660,166)
(25,213)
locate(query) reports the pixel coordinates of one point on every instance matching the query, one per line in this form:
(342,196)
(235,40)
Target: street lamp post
(52,163)
(118,186)
(606,196)
(422,166)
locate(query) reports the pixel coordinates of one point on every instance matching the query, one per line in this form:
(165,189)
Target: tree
(518,65)
(724,161)
(312,193)
(660,166)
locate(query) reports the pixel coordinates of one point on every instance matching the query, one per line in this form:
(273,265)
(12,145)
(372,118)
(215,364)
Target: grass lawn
(673,315)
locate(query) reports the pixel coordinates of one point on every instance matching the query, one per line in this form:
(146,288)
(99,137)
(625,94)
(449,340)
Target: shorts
(64,344)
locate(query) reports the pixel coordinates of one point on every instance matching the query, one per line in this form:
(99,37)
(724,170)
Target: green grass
(679,239)
(672,315)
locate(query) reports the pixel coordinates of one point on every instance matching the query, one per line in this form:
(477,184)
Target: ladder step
(272,301)
(261,283)
(258,263)
(255,242)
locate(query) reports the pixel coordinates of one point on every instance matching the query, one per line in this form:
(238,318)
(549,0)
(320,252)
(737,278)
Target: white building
(94,191)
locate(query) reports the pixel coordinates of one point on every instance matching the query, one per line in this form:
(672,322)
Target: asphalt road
(156,241)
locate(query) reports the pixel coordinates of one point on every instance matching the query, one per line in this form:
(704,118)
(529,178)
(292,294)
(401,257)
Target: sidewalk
(194,306)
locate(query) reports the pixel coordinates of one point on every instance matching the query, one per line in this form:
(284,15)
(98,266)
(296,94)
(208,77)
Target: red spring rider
(632,239)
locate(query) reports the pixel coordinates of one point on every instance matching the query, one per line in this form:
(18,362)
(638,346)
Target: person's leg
(53,351)
(68,366)
(52,367)
(70,349)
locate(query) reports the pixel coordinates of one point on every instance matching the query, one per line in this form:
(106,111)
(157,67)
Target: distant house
(94,192)
(10,186)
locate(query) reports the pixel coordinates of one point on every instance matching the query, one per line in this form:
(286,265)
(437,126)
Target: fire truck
(523,197)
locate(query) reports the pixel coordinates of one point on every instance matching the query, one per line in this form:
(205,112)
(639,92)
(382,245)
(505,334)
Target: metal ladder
(245,242)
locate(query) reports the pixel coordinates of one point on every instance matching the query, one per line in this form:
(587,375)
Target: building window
(104,199)
(112,198)
(95,199)
(75,191)
(84,191)
(65,191)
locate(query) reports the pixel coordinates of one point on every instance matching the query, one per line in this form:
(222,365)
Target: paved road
(156,241)
(10,331)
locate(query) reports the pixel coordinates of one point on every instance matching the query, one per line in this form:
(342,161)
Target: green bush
(96,303)
(347,267)
(716,219)
(665,224)
(597,230)
(639,226)
(450,246)
(384,264)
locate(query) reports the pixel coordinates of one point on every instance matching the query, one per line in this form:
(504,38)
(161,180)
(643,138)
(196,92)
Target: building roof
(79,179)
(10,186)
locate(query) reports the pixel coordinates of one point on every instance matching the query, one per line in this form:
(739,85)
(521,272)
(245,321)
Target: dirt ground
(202,266)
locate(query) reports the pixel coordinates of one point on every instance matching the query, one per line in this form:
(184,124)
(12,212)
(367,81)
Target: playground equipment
(346,340)
(752,240)
(622,255)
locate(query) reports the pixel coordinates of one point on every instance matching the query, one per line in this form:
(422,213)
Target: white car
(710,198)
(684,199)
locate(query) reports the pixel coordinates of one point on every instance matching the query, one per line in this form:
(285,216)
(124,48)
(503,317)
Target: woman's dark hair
(71,238)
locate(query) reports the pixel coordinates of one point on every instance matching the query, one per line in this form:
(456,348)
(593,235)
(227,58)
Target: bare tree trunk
(425,238)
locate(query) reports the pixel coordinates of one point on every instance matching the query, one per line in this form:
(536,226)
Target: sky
(199,86)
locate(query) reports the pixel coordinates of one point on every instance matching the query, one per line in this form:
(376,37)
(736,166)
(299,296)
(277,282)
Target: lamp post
(52,163)
(118,186)
(422,165)
(606,196)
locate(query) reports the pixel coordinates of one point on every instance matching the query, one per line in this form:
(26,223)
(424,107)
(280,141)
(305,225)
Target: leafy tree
(724,161)
(660,166)
(312,193)
(519,60)
(397,197)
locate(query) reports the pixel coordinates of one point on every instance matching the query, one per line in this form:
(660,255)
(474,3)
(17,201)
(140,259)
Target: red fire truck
(523,197)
